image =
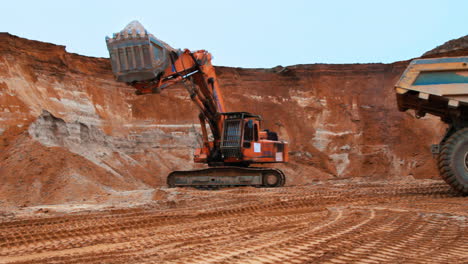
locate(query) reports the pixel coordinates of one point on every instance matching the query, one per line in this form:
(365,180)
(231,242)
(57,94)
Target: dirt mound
(341,122)
(451,45)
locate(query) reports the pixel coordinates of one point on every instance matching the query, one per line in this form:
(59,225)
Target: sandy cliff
(453,45)
(69,132)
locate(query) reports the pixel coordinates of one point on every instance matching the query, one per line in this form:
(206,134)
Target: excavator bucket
(138,56)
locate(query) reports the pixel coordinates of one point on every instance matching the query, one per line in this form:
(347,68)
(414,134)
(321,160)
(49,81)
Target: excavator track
(221,177)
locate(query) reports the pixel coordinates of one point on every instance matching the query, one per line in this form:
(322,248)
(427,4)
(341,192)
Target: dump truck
(439,86)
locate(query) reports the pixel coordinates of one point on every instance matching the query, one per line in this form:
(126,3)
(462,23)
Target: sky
(252,34)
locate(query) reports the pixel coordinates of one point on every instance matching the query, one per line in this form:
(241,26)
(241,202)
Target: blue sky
(250,33)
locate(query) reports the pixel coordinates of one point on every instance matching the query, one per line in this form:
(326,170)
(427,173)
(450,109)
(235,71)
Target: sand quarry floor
(417,221)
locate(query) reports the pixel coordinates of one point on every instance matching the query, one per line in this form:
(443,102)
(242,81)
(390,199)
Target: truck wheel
(453,161)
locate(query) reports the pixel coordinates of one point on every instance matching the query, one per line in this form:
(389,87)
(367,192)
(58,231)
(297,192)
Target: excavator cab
(244,142)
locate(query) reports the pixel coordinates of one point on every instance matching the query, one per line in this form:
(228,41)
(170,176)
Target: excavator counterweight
(237,141)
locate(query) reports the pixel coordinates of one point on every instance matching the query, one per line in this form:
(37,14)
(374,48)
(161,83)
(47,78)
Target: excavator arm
(195,70)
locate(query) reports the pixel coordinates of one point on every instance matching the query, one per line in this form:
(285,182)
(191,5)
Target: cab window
(248,131)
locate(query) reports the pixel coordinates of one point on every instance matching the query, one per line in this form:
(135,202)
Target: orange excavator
(151,66)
